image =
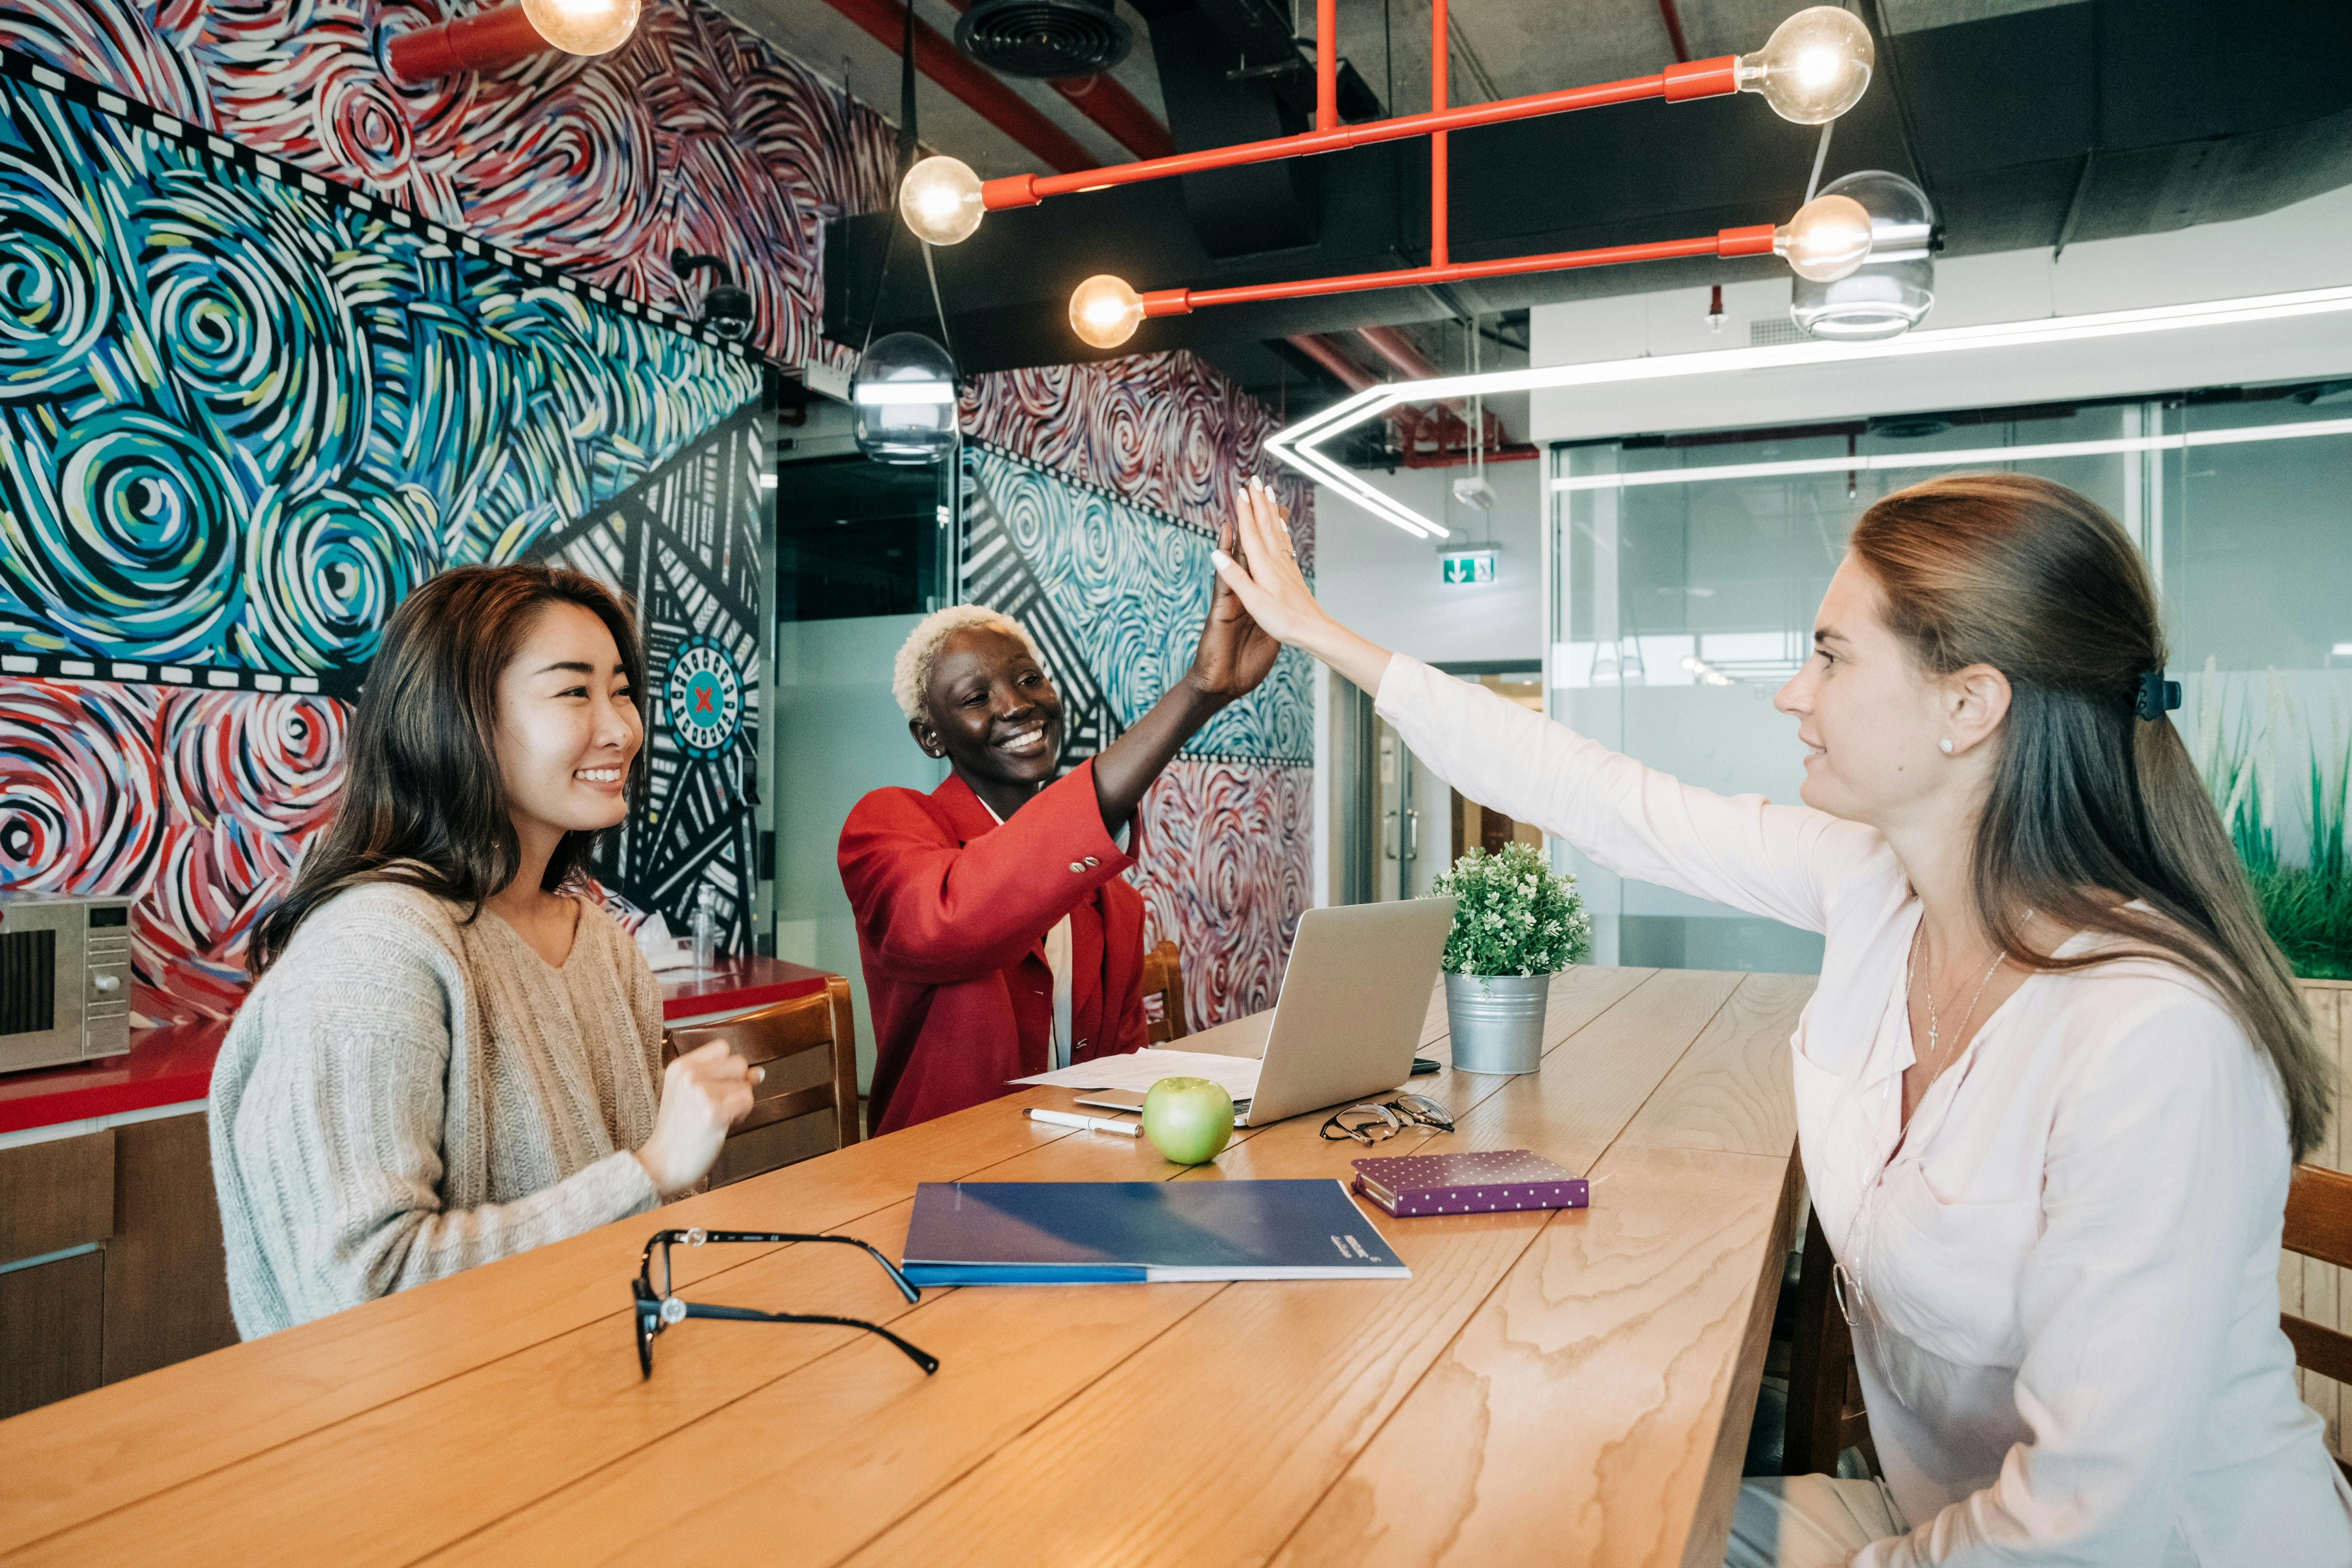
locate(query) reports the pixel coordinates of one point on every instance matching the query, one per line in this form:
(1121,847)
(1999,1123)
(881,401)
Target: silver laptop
(1349,1014)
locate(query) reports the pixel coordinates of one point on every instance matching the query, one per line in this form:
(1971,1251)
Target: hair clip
(2158,696)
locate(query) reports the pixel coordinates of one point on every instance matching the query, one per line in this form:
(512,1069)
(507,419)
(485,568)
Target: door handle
(1389,836)
(1413,839)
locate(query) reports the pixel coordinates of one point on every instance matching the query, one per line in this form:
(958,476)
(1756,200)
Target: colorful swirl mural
(1164,431)
(239,419)
(1114,594)
(81,786)
(247,778)
(270,413)
(1226,855)
(1130,588)
(693,135)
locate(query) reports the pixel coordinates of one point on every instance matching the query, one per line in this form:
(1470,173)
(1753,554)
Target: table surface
(173,1064)
(1571,1386)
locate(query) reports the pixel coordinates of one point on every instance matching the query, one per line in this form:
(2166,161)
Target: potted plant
(1516,924)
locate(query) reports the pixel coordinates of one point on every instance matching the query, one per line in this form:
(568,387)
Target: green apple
(1190,1119)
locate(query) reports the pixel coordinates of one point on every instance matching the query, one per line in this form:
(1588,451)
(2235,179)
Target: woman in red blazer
(960,895)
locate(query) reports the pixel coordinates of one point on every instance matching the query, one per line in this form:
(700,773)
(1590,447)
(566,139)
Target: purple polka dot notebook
(1409,1184)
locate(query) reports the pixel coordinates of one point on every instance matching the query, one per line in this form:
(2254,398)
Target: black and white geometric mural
(684,544)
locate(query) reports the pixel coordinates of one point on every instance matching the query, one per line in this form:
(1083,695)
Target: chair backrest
(1163,977)
(1826,1415)
(2319,1225)
(809,1046)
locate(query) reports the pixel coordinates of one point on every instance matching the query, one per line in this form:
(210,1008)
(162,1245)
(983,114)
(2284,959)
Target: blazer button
(1077,865)
(1092,862)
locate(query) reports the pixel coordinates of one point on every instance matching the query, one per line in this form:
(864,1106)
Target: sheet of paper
(1139,1070)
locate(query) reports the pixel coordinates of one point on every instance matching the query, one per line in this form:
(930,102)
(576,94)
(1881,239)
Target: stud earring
(1945,745)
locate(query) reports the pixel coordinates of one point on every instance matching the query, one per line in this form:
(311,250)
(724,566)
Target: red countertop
(173,1065)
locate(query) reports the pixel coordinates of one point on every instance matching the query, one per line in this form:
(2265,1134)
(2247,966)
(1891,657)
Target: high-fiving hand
(1234,652)
(1265,578)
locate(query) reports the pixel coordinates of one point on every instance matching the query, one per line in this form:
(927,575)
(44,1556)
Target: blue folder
(1074,1232)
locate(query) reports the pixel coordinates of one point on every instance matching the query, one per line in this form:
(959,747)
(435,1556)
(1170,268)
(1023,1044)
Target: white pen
(1085,1123)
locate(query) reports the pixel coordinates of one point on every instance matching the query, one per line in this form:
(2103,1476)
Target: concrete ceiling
(2192,110)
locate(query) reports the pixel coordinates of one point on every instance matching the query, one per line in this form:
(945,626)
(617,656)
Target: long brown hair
(2090,803)
(423,803)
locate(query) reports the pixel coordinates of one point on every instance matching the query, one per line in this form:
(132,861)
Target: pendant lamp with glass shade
(903,393)
(903,400)
(1829,238)
(1895,288)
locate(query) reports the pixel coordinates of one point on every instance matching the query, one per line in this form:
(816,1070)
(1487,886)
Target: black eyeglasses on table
(658,1309)
(1369,1123)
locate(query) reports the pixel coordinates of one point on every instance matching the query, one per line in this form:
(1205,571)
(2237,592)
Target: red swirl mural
(1224,872)
(1162,430)
(697,135)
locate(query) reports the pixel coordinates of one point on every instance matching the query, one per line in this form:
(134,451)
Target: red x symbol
(702,699)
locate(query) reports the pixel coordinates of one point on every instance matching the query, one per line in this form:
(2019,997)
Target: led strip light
(1300,445)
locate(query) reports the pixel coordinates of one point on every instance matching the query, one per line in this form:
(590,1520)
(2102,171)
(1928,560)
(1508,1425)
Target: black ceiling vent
(1046,38)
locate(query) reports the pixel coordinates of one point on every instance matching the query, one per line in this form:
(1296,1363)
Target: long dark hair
(2088,801)
(423,803)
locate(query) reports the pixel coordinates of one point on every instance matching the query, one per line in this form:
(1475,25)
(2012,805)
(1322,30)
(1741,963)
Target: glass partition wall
(1686,571)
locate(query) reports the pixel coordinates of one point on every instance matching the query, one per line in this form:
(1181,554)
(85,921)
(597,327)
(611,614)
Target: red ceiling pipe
(1326,64)
(990,98)
(1439,51)
(1345,371)
(1676,84)
(1101,100)
(1673,18)
(1753,240)
(1399,351)
(485,41)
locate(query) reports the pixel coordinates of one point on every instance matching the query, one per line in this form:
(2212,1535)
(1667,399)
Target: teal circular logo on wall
(704,698)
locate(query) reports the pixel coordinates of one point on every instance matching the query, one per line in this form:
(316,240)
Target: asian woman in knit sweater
(450,1055)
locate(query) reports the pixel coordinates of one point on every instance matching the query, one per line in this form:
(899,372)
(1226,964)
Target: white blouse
(2064,1276)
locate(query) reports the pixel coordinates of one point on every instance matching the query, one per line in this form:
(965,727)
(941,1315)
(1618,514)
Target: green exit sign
(1467,565)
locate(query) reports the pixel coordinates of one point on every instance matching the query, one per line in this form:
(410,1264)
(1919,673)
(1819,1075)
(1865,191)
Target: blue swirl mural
(240,417)
(1130,588)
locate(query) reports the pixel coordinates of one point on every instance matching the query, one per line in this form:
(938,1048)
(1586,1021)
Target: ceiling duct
(1043,38)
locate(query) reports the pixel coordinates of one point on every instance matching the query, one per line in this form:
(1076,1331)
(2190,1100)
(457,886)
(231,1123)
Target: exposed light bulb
(1813,68)
(939,199)
(584,27)
(1105,311)
(1828,239)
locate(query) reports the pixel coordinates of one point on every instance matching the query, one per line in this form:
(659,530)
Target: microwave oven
(65,979)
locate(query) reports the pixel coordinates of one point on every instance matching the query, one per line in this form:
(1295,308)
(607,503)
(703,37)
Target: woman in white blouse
(2052,1084)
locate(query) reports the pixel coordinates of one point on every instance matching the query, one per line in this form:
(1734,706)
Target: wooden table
(1571,1387)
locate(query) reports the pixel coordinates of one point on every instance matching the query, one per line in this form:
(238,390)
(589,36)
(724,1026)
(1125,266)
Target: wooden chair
(1825,1412)
(1163,977)
(809,1046)
(2319,1225)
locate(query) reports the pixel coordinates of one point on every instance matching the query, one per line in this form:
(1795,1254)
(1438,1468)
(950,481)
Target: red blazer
(952,912)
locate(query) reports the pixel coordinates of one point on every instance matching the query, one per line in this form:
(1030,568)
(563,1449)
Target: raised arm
(1782,862)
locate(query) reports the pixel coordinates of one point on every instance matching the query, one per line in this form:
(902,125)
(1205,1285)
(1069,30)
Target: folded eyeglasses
(1370,1123)
(659,1309)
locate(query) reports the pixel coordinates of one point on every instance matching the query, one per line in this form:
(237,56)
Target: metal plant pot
(1496,1021)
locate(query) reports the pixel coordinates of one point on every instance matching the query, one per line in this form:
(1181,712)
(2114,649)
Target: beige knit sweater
(403,1095)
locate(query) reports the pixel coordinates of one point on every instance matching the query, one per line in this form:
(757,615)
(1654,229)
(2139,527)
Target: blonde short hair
(910,672)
